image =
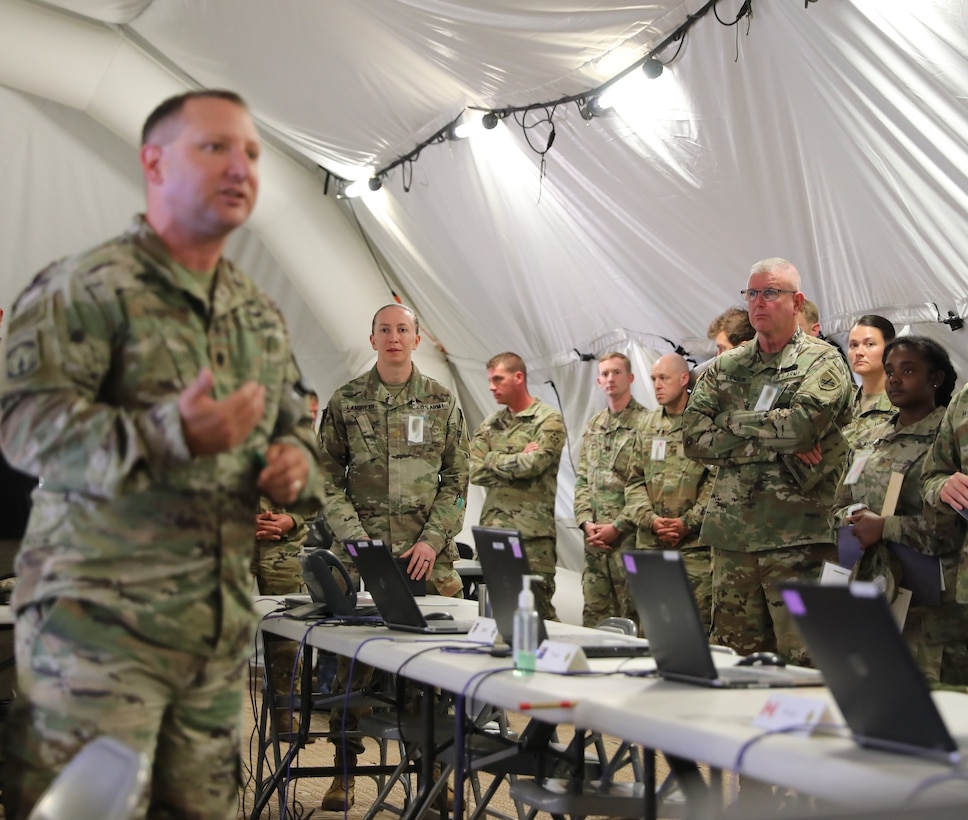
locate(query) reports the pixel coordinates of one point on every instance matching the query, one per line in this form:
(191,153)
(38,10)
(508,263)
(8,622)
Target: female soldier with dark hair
(919,381)
(865,350)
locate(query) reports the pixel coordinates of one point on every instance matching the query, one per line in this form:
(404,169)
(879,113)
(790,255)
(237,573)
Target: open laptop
(666,604)
(505,563)
(868,666)
(388,584)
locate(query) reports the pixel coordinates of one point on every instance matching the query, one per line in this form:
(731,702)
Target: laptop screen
(854,640)
(670,617)
(386,582)
(504,563)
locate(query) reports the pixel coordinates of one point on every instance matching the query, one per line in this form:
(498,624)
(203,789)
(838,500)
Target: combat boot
(287,725)
(342,791)
(286,722)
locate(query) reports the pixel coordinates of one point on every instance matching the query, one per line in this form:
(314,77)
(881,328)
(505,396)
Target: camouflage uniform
(278,571)
(949,455)
(134,610)
(379,484)
(767,516)
(676,487)
(864,421)
(521,487)
(276,564)
(931,631)
(603,470)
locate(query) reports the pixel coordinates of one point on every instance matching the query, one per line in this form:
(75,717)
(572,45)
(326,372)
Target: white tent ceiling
(831,134)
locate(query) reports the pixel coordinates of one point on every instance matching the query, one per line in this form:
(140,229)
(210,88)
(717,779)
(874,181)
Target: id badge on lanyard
(767,397)
(857,466)
(415,429)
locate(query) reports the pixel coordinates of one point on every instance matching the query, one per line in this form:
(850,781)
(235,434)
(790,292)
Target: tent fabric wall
(101,73)
(831,135)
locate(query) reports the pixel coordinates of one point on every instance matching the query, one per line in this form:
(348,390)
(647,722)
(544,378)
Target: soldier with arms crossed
(768,415)
(515,454)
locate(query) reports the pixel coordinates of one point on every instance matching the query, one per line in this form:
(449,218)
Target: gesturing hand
(213,426)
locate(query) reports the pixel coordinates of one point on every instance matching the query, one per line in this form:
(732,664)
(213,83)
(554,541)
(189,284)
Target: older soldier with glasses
(768,415)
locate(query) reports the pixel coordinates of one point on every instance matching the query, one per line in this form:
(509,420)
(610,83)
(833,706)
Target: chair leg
(440,785)
(380,803)
(481,802)
(406,757)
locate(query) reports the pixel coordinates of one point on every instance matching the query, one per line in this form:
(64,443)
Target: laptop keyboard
(611,644)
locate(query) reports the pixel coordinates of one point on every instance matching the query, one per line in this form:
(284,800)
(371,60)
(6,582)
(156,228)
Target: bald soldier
(768,415)
(669,491)
(601,509)
(394,459)
(514,455)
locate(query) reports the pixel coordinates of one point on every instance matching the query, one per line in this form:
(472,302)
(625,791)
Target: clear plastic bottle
(525,637)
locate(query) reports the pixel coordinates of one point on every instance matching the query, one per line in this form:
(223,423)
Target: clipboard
(849,549)
(920,573)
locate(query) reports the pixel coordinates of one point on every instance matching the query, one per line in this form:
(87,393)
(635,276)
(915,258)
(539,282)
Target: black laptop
(868,666)
(667,606)
(390,587)
(504,563)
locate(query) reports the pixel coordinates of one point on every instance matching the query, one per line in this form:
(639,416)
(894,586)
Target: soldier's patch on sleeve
(23,356)
(828,383)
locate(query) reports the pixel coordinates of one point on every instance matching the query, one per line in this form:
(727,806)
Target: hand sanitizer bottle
(525,637)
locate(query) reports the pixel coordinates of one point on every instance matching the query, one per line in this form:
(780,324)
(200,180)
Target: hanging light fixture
(362,186)
(592,107)
(652,68)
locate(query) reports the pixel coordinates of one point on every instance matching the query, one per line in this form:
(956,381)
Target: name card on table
(783,711)
(553,656)
(483,631)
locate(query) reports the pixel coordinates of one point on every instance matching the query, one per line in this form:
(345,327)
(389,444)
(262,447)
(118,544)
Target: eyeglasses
(768,294)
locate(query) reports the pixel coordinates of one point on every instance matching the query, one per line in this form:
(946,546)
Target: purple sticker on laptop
(630,563)
(351,549)
(794,602)
(515,547)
